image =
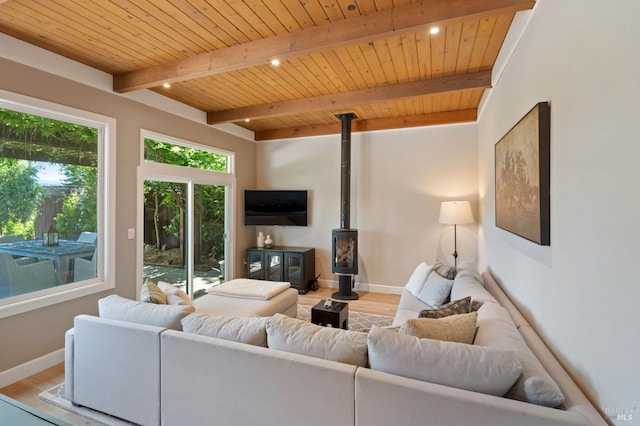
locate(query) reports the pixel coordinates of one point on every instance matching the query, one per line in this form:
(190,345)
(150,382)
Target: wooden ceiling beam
(358,97)
(447,117)
(364,28)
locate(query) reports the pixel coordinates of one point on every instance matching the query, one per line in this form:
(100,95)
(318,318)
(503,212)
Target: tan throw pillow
(175,295)
(151,293)
(455,328)
(462,306)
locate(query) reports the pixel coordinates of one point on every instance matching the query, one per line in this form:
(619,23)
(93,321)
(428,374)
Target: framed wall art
(522,160)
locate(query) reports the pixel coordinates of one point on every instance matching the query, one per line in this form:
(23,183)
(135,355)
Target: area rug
(357,321)
(55,396)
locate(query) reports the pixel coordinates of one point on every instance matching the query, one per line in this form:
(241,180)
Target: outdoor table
(60,254)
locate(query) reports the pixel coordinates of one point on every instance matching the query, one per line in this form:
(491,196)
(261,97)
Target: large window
(53,186)
(186,213)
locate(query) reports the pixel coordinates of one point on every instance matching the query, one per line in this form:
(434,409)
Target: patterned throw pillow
(455,328)
(462,306)
(151,293)
(445,271)
(475,305)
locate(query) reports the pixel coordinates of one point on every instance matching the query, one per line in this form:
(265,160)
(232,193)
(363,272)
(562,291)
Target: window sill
(36,300)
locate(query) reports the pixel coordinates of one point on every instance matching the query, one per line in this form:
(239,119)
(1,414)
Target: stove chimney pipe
(345,172)
(345,239)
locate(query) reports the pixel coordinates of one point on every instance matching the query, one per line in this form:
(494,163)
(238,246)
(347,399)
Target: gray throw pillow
(435,290)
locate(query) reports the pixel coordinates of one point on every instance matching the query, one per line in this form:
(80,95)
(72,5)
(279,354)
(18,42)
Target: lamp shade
(455,213)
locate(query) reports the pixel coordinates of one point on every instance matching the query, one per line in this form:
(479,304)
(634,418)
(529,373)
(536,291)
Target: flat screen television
(275,207)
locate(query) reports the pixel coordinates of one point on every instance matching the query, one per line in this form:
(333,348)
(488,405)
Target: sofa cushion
(335,344)
(467,285)
(123,309)
(175,295)
(151,293)
(469,269)
(417,279)
(435,290)
(250,330)
(455,328)
(496,329)
(457,307)
(475,368)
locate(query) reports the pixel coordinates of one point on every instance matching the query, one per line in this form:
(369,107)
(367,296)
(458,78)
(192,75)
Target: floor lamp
(455,213)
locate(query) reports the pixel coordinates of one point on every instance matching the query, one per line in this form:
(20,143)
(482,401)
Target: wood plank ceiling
(376,58)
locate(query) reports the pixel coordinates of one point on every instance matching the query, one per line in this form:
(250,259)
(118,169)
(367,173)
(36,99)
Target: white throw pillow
(474,368)
(335,344)
(417,279)
(175,295)
(250,330)
(497,330)
(435,290)
(123,309)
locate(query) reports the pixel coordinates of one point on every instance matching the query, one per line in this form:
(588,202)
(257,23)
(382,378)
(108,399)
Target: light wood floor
(27,390)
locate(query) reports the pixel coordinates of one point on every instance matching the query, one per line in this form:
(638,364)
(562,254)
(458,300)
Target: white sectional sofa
(155,375)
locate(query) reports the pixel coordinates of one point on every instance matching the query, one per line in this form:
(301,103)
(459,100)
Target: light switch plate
(131,233)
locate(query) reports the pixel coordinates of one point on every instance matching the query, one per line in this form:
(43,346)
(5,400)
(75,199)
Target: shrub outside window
(53,190)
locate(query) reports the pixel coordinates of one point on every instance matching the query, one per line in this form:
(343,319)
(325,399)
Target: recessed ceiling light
(434,30)
(351,7)
(275,62)
(166,85)
(246,120)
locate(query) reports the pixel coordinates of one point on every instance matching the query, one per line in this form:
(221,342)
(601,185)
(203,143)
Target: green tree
(209,199)
(20,193)
(80,207)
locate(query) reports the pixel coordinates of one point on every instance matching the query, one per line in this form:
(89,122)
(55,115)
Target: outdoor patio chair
(18,279)
(88,237)
(12,238)
(84,269)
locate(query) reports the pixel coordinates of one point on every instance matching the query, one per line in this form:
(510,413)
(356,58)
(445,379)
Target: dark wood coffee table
(337,315)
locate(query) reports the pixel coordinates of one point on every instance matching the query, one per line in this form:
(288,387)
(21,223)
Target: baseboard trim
(375,288)
(30,368)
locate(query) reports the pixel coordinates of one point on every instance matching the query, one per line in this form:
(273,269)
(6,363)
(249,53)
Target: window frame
(106,204)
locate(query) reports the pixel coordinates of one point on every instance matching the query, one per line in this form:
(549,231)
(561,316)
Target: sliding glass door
(187,217)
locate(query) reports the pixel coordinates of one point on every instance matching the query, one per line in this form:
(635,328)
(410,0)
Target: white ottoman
(285,302)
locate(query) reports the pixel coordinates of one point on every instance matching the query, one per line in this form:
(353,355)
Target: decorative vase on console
(260,240)
(268,242)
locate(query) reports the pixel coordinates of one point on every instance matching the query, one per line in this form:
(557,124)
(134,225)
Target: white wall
(582,292)
(398,179)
